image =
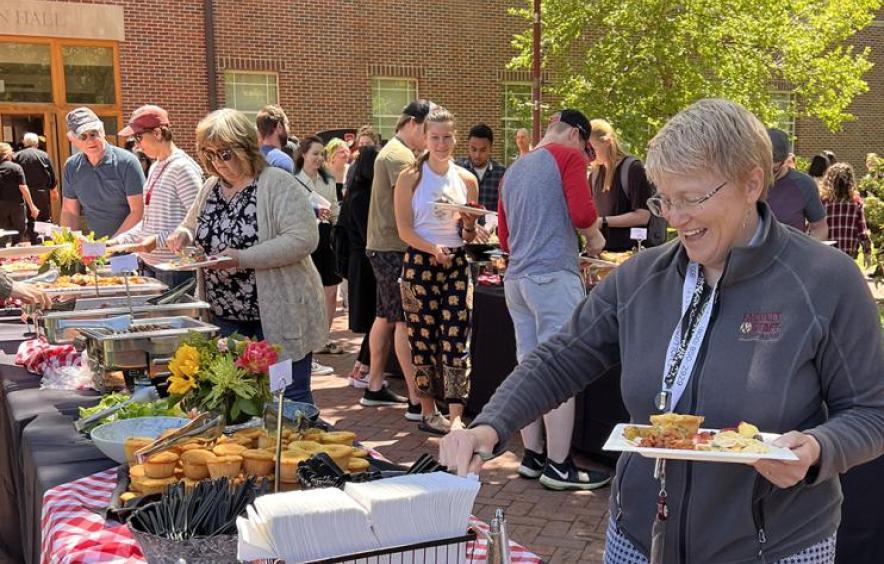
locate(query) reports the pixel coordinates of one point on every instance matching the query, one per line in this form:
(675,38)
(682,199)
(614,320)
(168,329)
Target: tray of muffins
(245,453)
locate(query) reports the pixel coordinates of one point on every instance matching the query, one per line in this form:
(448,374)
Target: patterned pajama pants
(434,298)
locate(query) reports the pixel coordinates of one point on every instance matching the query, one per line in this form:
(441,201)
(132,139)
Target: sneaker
(359,380)
(532,464)
(413,413)
(566,476)
(435,424)
(381,397)
(320,369)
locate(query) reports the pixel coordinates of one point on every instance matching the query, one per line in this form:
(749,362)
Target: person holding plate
(262,220)
(434,275)
(736,320)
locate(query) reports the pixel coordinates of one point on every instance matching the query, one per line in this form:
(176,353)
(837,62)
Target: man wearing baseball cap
(101,180)
(386,252)
(544,200)
(794,197)
(171,188)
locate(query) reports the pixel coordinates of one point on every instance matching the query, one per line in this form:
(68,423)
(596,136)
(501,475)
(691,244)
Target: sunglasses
(139,136)
(89,135)
(212,156)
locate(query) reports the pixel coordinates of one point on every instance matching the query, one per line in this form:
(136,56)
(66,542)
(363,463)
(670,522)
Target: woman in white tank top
(435,272)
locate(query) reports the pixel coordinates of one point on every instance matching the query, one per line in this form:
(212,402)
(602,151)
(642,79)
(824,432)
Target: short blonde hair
(5,150)
(604,131)
(231,129)
(332,147)
(713,134)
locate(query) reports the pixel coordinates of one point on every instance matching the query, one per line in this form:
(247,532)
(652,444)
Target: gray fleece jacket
(794,344)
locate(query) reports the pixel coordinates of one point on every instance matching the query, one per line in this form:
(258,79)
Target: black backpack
(657,225)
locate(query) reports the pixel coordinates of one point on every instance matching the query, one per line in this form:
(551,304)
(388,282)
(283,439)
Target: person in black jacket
(40,178)
(361,282)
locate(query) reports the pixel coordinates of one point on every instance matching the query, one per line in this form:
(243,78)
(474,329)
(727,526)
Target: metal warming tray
(61,327)
(145,343)
(149,286)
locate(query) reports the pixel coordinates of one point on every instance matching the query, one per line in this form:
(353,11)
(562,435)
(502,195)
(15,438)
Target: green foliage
(163,407)
(641,61)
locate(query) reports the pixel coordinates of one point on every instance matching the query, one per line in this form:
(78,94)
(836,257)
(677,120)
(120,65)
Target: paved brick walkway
(558,526)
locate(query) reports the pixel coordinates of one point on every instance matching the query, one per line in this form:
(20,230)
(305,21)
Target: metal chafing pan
(63,326)
(146,342)
(148,286)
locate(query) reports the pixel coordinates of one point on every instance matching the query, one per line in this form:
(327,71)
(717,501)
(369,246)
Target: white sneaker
(320,370)
(359,382)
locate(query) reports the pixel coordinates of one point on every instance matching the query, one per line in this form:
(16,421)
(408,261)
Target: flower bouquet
(226,375)
(69,258)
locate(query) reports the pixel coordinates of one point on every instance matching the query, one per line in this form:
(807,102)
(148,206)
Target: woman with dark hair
(844,210)
(311,174)
(360,276)
(819,164)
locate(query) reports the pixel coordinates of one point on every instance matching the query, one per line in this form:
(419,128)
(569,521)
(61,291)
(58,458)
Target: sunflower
(186,361)
(180,385)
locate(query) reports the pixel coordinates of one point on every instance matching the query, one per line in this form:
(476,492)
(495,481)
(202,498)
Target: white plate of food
(462,208)
(187,264)
(32,251)
(740,445)
(592,261)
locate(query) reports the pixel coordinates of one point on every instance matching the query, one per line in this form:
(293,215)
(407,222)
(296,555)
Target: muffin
(359,453)
(194,463)
(133,444)
(150,486)
(306,446)
(190,445)
(257,462)
(338,438)
(311,434)
(288,466)
(224,466)
(136,472)
(126,497)
(339,453)
(249,437)
(161,465)
(265,441)
(227,449)
(357,465)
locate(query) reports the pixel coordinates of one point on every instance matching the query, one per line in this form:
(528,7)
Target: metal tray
(152,286)
(143,348)
(61,327)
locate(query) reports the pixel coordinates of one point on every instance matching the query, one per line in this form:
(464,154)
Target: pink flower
(257,357)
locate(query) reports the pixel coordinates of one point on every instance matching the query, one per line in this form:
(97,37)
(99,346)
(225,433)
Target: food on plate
(84,280)
(681,431)
(617,258)
(20,266)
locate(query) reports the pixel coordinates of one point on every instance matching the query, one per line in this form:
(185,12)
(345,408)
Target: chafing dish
(63,326)
(148,286)
(145,348)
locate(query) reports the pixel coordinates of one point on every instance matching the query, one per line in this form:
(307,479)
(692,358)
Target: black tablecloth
(599,407)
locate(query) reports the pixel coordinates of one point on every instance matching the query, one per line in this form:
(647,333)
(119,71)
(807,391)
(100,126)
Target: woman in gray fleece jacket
(741,319)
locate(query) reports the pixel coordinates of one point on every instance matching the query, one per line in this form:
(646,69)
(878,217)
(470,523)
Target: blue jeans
(299,389)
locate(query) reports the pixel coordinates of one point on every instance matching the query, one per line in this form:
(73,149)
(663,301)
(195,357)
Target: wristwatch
(486,456)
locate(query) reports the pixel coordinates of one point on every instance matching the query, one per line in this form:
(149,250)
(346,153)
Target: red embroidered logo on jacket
(761,326)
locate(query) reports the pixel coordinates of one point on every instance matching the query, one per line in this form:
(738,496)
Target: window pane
(25,74)
(516,112)
(248,92)
(786,120)
(89,75)
(388,97)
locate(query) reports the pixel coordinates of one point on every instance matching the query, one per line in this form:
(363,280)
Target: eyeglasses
(212,156)
(659,205)
(89,135)
(139,136)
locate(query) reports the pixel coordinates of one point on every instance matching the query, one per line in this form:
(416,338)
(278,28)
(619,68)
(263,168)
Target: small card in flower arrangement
(227,375)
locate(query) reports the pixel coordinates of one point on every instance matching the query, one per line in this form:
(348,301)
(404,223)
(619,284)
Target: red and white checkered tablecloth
(73,532)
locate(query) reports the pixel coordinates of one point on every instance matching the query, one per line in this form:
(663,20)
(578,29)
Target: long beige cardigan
(290,297)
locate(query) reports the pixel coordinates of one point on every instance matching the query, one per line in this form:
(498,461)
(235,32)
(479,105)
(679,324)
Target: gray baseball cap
(780,144)
(83,119)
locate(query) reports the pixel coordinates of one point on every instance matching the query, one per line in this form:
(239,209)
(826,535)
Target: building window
(515,114)
(89,75)
(388,97)
(784,100)
(25,72)
(248,92)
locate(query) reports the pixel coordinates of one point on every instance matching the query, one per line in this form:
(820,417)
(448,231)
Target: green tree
(638,62)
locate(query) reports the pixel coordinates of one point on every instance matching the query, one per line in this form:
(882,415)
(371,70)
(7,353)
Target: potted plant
(227,375)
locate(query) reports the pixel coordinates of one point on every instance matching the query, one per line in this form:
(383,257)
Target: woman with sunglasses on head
(257,216)
(736,320)
(434,274)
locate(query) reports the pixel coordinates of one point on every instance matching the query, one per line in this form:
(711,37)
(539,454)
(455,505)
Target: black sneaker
(381,397)
(413,413)
(532,464)
(566,476)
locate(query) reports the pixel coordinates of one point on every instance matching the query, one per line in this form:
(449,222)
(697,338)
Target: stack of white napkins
(315,524)
(434,506)
(304,525)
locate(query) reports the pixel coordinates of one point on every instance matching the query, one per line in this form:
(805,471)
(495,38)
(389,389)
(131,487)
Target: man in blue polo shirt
(102,180)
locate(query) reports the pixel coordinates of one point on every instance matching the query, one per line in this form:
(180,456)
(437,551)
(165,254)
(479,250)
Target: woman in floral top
(257,216)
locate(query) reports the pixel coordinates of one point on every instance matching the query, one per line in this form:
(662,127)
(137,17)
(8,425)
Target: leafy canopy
(638,62)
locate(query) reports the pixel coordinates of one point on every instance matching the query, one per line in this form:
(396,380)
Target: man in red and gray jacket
(545,200)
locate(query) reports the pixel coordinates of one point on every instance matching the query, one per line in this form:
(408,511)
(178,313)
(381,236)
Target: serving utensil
(207,426)
(141,395)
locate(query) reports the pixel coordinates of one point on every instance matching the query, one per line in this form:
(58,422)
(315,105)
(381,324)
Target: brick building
(329,63)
